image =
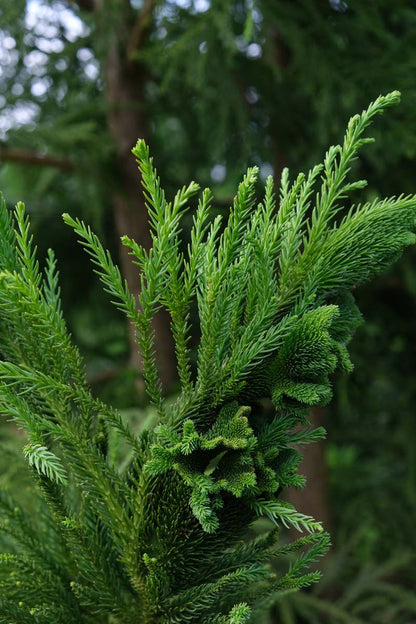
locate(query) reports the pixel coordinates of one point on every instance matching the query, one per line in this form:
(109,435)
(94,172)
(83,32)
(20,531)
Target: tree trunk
(314,499)
(127,122)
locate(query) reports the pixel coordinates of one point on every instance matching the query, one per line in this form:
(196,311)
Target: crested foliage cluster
(165,536)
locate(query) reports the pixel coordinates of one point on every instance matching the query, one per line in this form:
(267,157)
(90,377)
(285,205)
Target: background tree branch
(139,28)
(86,5)
(28,157)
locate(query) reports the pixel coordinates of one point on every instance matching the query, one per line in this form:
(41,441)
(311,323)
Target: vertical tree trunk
(314,499)
(127,122)
(124,79)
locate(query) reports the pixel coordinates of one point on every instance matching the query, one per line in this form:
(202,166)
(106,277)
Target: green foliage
(164,537)
(376,594)
(45,462)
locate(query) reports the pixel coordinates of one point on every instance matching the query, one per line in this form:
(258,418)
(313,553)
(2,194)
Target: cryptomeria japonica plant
(165,539)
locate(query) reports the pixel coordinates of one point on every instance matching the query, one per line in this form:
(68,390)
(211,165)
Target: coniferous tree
(206,83)
(165,537)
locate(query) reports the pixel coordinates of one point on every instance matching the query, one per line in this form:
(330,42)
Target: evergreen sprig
(165,539)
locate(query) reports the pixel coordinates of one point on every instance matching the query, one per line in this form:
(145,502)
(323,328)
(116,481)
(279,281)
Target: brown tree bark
(127,120)
(314,499)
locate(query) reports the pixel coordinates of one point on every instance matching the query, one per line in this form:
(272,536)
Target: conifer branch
(45,462)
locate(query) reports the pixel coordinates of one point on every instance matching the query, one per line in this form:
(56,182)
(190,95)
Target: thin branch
(140,27)
(86,5)
(11,154)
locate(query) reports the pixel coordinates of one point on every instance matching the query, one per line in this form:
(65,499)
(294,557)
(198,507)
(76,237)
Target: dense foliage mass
(163,536)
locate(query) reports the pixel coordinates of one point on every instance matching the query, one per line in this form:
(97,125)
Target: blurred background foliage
(215,86)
